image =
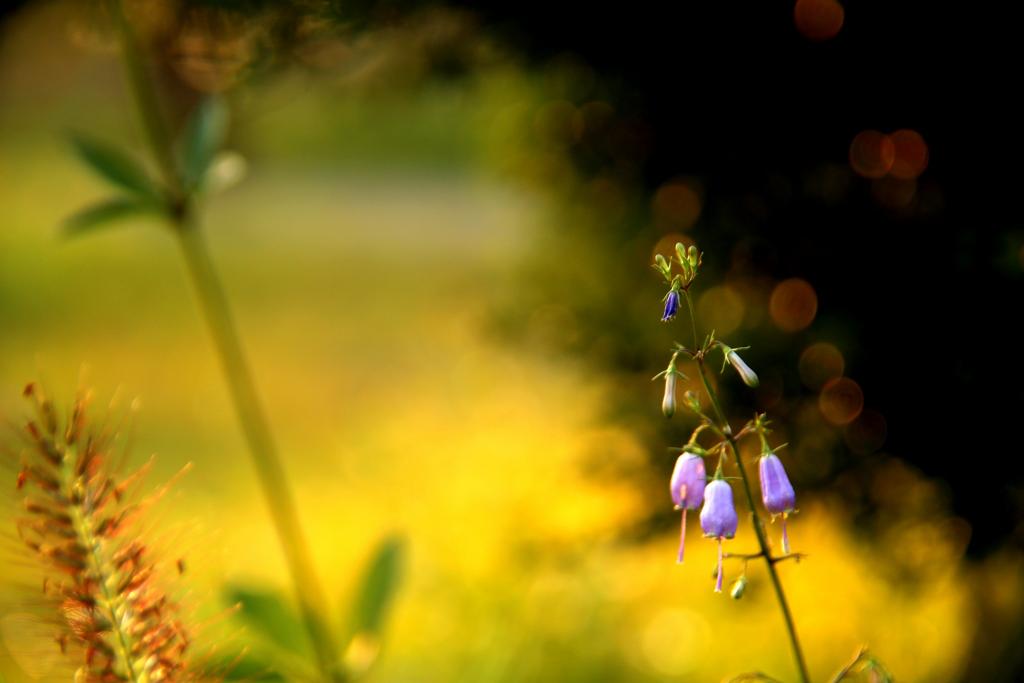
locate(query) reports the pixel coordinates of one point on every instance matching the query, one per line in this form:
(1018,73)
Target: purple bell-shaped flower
(718,518)
(776,492)
(687,489)
(671,306)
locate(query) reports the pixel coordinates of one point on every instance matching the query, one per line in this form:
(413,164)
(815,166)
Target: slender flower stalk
(723,427)
(214,304)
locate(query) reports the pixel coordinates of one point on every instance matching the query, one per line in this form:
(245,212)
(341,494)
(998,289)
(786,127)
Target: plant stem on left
(217,312)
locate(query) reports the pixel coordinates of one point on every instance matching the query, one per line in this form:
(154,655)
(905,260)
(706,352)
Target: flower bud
(687,489)
(681,252)
(739,588)
(693,256)
(668,402)
(748,376)
(671,306)
(776,491)
(718,518)
(661,263)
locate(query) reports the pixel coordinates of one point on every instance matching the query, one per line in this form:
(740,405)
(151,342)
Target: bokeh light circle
(721,309)
(676,206)
(910,154)
(793,304)
(841,401)
(818,20)
(819,363)
(872,154)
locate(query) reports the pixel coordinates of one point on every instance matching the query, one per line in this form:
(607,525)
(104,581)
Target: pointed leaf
(102,214)
(269,614)
(379,586)
(203,136)
(112,164)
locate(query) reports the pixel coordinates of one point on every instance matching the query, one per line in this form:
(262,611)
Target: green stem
(269,469)
(139,80)
(762,541)
(217,312)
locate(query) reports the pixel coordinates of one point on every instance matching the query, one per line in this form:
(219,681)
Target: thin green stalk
(272,477)
(217,312)
(139,81)
(762,541)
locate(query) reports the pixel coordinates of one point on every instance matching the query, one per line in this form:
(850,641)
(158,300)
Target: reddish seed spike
(29,390)
(22,477)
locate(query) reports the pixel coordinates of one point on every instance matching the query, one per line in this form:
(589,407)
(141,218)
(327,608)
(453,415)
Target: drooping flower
(687,489)
(671,306)
(718,518)
(668,401)
(776,491)
(748,376)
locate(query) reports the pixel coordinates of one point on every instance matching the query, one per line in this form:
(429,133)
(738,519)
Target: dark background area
(931,299)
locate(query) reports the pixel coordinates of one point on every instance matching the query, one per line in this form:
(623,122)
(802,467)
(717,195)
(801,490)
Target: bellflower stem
(216,310)
(762,542)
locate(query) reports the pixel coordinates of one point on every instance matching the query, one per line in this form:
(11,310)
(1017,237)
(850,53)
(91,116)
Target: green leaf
(203,136)
(378,587)
(108,211)
(112,164)
(269,615)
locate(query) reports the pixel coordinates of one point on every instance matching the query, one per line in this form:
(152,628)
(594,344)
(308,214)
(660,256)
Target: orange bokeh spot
(676,206)
(872,154)
(818,20)
(911,154)
(820,363)
(793,304)
(841,401)
(721,308)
